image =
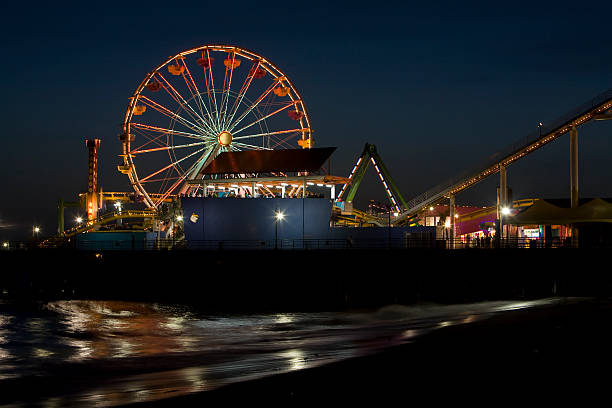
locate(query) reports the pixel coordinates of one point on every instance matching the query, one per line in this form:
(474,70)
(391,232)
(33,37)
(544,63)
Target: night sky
(436,88)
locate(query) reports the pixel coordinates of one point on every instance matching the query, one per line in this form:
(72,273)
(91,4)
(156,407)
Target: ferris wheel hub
(225,138)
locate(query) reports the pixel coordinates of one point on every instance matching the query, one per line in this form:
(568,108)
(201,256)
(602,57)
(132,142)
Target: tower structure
(92,184)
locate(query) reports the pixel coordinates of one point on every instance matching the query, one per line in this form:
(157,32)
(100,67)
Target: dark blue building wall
(229,219)
(213,220)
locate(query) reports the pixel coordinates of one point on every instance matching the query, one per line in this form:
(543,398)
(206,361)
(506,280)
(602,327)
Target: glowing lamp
(505,211)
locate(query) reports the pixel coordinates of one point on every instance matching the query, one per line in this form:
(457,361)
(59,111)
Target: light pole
(504,212)
(278,217)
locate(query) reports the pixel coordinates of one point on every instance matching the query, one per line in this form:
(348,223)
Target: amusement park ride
(207,121)
(217,119)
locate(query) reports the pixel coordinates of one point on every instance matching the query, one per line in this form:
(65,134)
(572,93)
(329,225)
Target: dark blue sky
(437,88)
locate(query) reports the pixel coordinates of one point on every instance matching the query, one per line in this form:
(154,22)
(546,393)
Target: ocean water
(109,353)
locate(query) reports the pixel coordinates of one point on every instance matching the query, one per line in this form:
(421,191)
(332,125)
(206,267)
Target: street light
(35,231)
(79,220)
(540,127)
(278,217)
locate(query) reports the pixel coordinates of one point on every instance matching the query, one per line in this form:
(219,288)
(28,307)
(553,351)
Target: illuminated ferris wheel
(200,103)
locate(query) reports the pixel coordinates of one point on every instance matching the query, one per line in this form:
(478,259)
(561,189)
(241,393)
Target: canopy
(264,161)
(544,212)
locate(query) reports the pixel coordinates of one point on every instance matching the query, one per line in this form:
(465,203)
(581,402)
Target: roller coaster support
(574,177)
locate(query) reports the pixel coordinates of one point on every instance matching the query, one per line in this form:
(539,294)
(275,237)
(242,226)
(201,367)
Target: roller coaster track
(106,218)
(593,109)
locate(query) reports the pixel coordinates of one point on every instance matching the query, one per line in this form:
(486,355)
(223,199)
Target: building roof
(266,161)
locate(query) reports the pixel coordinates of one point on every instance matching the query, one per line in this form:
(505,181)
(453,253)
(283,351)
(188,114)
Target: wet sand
(549,355)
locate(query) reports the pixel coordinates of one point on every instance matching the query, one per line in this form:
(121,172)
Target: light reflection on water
(106,353)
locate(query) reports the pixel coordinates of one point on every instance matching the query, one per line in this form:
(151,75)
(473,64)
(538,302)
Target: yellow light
(225,138)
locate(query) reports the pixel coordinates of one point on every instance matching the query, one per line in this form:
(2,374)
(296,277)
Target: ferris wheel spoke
(226,92)
(254,105)
(178,61)
(282,142)
(182,102)
(160,180)
(267,104)
(171,165)
(171,189)
(196,91)
(172,115)
(278,132)
(211,84)
(293,103)
(249,146)
(152,139)
(172,132)
(156,149)
(165,179)
(243,90)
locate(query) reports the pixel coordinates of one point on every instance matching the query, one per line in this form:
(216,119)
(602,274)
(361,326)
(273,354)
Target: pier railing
(311,244)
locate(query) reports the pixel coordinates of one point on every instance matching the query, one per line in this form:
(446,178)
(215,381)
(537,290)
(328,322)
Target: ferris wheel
(202,102)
